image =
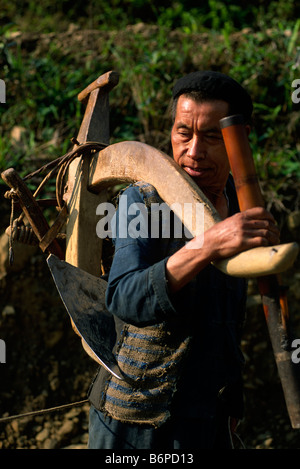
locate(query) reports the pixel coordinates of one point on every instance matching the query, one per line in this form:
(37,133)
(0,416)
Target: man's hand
(245,230)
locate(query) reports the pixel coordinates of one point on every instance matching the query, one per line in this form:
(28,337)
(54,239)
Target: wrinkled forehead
(204,113)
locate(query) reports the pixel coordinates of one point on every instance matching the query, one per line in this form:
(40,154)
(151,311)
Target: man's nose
(196,149)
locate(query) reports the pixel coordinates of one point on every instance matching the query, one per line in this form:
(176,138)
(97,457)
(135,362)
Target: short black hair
(209,85)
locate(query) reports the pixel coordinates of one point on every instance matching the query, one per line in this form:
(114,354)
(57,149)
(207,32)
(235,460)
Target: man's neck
(219,201)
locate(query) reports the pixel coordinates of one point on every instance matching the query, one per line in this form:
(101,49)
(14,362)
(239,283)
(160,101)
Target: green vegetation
(187,15)
(49,51)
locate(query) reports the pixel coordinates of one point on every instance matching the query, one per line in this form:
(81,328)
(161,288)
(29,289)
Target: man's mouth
(195,172)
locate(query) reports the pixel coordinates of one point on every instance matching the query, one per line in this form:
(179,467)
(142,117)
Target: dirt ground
(47,367)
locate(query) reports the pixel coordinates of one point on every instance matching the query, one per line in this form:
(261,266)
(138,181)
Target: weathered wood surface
(32,211)
(84,248)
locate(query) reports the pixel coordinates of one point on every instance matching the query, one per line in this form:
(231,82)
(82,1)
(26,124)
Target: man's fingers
(267,225)
(259,213)
(269,237)
(262,223)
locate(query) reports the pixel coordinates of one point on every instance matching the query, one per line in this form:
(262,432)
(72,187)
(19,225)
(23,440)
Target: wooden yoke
(273,296)
(83,247)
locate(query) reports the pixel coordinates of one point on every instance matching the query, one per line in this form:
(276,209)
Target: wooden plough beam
(83,247)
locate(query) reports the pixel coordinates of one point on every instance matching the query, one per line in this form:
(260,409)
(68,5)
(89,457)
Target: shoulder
(141,191)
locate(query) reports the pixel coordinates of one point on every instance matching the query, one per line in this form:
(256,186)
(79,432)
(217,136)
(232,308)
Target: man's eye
(213,136)
(183,133)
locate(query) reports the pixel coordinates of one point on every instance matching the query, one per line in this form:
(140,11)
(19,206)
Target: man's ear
(248,129)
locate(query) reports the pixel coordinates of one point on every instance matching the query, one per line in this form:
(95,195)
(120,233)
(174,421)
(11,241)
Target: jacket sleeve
(137,289)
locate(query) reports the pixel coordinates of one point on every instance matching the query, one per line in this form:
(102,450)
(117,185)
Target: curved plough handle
(134,161)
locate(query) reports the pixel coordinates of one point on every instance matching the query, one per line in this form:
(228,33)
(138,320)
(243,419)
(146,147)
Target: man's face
(197,142)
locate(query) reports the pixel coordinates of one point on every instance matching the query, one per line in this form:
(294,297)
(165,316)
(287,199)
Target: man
(178,319)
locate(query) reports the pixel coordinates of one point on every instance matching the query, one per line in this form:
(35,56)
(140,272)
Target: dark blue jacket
(180,351)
